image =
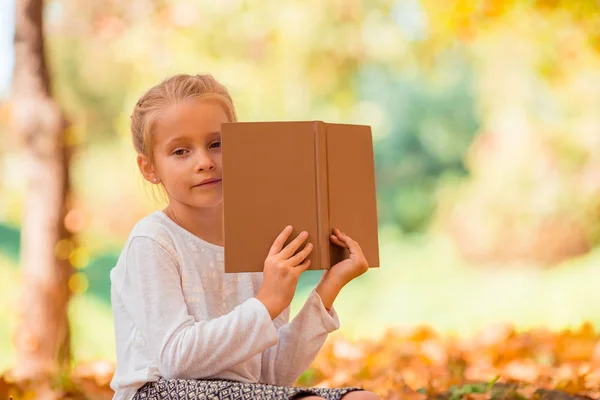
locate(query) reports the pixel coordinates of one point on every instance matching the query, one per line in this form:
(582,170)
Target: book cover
(313,175)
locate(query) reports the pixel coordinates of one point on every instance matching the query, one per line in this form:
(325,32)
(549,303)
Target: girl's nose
(204,161)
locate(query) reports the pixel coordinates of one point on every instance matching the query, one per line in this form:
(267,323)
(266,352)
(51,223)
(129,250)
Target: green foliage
(431,122)
(457,393)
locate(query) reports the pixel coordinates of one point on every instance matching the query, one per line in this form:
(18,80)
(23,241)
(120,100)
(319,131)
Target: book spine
(323,244)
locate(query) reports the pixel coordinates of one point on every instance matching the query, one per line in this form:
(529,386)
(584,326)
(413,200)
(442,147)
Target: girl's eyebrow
(183,138)
(176,139)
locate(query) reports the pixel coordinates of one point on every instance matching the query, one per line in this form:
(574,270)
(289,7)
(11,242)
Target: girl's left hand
(352,267)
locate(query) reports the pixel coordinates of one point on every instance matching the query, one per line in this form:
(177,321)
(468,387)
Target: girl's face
(187,152)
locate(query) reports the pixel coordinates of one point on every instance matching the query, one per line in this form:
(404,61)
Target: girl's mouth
(210,183)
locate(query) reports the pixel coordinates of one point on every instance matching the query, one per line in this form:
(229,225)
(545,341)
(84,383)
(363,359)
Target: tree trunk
(42,338)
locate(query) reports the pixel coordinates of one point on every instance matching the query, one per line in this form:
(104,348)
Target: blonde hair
(176,89)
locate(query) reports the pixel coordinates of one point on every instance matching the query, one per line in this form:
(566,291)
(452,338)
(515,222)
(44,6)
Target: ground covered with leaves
(418,363)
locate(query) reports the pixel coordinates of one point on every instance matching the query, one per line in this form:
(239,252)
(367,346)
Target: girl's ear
(147,169)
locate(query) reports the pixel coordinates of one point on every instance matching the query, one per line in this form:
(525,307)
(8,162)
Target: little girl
(184,329)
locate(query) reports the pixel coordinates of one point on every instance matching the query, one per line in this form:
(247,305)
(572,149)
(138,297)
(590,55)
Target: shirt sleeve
(181,346)
(299,341)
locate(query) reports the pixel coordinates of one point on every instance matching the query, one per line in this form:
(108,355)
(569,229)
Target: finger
(337,241)
(280,240)
(294,245)
(353,246)
(340,235)
(298,258)
(350,243)
(302,267)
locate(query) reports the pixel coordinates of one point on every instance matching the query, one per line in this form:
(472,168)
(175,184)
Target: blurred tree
(42,336)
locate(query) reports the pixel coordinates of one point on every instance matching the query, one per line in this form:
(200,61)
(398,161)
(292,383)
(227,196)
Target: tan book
(312,175)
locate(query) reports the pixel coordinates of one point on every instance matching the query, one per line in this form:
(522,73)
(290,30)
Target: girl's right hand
(281,271)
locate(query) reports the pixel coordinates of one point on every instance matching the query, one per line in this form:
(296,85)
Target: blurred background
(486,127)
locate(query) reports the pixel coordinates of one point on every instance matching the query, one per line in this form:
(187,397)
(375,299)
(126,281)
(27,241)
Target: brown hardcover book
(312,175)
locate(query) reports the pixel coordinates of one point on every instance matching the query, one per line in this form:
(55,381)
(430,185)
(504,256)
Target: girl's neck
(205,223)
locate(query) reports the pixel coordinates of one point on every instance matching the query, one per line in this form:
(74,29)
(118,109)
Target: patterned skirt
(189,389)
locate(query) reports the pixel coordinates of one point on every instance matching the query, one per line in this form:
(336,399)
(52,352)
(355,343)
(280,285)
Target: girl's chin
(207,201)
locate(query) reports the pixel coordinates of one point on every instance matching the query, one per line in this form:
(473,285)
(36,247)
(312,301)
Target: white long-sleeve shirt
(178,315)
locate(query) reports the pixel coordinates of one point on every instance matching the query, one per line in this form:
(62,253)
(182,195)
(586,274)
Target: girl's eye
(216,143)
(179,152)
